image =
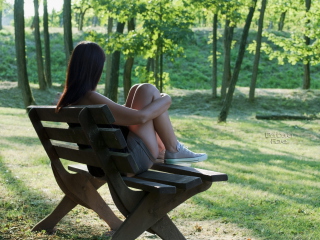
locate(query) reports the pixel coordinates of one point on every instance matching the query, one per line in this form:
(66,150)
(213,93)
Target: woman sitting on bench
(144,114)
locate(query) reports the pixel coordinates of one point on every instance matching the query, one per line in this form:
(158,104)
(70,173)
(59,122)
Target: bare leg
(139,97)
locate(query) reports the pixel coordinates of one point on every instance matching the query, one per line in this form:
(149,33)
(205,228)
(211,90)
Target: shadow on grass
(22,207)
(202,103)
(270,190)
(277,196)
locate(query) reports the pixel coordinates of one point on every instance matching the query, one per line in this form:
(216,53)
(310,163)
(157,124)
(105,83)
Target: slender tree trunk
(156,69)
(214,56)
(306,67)
(161,68)
(150,65)
(281,21)
(20,45)
(67,29)
(228,36)
(40,68)
(1,10)
(113,92)
(258,50)
(242,48)
(81,19)
(1,15)
(128,65)
(108,61)
(47,62)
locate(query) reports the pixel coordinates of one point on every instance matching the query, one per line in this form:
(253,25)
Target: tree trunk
(41,76)
(156,69)
(214,56)
(228,36)
(281,21)
(113,91)
(306,67)
(108,62)
(161,68)
(242,48)
(258,50)
(1,15)
(150,65)
(20,45)
(128,65)
(67,29)
(47,62)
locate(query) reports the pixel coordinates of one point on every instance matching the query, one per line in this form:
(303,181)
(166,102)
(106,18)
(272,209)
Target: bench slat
(133,182)
(74,135)
(47,113)
(124,162)
(112,136)
(73,153)
(179,181)
(202,173)
(149,186)
(101,113)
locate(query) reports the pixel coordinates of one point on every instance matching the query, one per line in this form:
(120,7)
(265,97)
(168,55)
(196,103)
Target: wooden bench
(83,134)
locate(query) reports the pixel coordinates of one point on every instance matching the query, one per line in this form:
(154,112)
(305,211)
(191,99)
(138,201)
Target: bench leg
(49,222)
(151,210)
(94,201)
(167,230)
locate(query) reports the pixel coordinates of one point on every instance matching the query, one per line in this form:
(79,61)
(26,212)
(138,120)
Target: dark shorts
(139,152)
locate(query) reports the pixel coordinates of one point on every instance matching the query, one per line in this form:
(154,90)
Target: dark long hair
(83,74)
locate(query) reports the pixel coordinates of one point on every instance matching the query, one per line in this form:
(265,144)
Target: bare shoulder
(93,97)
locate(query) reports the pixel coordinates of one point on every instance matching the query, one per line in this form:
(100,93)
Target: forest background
(203,54)
(151,41)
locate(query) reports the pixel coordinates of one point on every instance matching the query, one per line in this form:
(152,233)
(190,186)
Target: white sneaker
(183,155)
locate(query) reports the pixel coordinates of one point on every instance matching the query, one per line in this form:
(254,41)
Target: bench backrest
(82,134)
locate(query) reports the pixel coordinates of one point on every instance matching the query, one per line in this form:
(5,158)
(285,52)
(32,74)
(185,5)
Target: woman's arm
(127,116)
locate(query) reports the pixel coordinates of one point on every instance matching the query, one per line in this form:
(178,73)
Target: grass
(273,188)
(272,192)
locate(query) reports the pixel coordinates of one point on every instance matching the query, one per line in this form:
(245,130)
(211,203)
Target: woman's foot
(183,155)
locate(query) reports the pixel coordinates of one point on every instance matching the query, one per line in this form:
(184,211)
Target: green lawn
(273,190)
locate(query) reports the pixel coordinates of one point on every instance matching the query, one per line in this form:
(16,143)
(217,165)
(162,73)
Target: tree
(67,27)
(108,60)
(81,7)
(1,9)
(47,66)
(214,56)
(41,76)
(113,89)
(228,100)
(306,66)
(20,46)
(227,44)
(128,64)
(258,50)
(281,20)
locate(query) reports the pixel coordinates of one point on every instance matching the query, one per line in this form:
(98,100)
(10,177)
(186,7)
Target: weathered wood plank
(206,175)
(179,181)
(149,186)
(124,162)
(113,137)
(73,153)
(74,135)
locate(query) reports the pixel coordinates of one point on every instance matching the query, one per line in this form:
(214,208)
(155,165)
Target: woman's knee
(147,88)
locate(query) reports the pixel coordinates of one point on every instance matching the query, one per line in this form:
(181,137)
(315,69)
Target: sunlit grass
(272,191)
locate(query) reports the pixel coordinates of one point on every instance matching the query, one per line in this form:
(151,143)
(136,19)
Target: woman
(144,113)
